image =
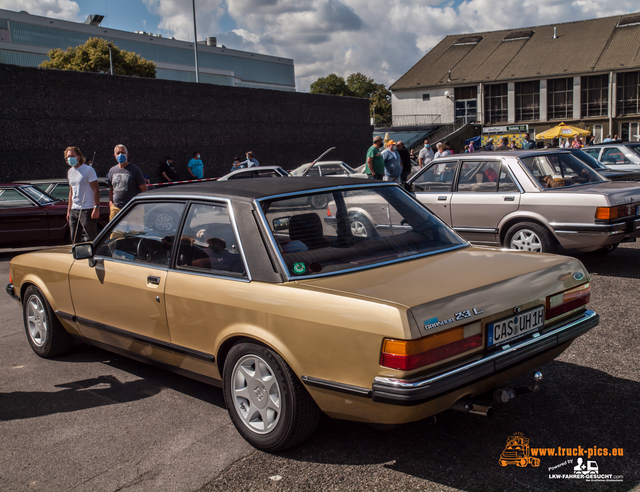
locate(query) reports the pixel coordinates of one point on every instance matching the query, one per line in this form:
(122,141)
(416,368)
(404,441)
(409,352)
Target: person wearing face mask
(426,155)
(196,167)
(167,172)
(392,163)
(125,180)
(250,161)
(84,196)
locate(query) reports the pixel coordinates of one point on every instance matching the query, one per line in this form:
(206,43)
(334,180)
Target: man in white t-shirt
(84,196)
(426,155)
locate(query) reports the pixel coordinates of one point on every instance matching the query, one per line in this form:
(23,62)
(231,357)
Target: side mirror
(409,187)
(281,223)
(84,251)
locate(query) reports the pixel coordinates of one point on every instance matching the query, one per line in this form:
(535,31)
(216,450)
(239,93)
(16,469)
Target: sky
(382,39)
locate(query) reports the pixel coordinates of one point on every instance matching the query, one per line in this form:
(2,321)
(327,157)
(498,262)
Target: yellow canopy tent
(562,131)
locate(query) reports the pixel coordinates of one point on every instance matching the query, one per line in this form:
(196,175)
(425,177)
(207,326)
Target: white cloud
(380,38)
(57,9)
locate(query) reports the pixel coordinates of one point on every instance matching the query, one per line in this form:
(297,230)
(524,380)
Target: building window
(426,97)
(496,104)
(560,99)
(594,95)
(628,93)
(527,100)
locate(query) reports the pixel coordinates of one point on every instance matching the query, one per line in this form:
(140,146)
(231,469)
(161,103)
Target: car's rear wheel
(266,401)
(319,201)
(163,220)
(361,226)
(528,236)
(45,333)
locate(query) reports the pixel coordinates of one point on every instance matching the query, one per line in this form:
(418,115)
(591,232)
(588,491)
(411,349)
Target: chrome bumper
(414,392)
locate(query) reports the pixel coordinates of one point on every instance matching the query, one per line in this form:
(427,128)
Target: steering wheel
(143,250)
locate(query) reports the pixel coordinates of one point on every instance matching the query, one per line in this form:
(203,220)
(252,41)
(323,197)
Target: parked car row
(530,200)
(31,217)
(292,315)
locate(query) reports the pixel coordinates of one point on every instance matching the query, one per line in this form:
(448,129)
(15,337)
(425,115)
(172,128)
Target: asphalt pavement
(94,421)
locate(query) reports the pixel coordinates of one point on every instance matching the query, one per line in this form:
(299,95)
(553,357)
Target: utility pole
(195,40)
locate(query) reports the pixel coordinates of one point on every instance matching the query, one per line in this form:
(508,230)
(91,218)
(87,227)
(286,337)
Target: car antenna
(311,165)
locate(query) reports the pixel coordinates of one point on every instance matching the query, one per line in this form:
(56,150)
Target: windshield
(38,195)
(360,227)
(560,170)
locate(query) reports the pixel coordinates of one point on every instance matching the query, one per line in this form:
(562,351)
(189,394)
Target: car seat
(308,229)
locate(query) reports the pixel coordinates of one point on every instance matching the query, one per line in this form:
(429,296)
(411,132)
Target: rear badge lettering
(467,313)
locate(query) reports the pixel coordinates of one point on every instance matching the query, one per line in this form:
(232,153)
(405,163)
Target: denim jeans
(89,226)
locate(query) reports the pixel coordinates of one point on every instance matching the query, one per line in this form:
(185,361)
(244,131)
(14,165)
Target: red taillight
(610,213)
(411,354)
(568,300)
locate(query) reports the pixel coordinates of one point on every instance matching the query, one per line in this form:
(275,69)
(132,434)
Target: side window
(613,155)
(506,183)
(145,235)
(10,198)
(208,242)
(438,177)
(314,171)
(595,153)
(61,191)
(479,177)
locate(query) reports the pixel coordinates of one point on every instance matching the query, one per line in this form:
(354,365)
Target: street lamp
(195,40)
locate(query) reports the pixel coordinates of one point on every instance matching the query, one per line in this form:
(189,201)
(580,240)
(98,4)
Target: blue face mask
(122,158)
(426,146)
(72,161)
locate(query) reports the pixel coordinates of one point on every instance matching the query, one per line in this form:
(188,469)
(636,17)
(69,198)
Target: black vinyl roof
(252,188)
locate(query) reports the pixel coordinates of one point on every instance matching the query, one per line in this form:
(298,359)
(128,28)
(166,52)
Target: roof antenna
(555,34)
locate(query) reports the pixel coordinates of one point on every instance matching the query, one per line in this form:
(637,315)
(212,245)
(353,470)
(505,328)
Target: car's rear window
(359,227)
(635,149)
(560,170)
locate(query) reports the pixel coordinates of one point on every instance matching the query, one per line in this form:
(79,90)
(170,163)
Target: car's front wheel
(528,236)
(319,201)
(361,226)
(45,333)
(163,220)
(266,401)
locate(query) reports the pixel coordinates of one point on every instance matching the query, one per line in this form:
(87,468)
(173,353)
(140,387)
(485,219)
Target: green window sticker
(299,268)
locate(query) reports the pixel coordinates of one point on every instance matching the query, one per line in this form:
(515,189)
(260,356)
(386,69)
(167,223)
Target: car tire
(266,401)
(45,333)
(361,226)
(318,201)
(528,236)
(163,220)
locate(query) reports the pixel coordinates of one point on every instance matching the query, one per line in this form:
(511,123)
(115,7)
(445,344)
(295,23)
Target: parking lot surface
(92,420)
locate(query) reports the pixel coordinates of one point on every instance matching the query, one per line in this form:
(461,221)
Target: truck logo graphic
(517,452)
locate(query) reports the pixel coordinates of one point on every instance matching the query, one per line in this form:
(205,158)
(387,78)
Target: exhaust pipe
(474,408)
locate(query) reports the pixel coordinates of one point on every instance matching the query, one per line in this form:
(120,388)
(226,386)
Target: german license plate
(515,326)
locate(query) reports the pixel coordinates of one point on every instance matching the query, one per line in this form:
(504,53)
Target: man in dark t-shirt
(167,172)
(125,180)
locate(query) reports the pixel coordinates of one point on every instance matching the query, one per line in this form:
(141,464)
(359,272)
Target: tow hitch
(503,395)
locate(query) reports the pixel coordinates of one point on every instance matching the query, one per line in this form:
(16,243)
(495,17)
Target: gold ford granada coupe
(295,312)
(530,200)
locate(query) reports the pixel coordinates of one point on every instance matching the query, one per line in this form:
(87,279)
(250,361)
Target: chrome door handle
(153,280)
(509,198)
(442,198)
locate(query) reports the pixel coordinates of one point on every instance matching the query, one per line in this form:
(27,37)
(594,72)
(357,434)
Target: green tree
(331,84)
(361,86)
(380,105)
(93,56)
(358,85)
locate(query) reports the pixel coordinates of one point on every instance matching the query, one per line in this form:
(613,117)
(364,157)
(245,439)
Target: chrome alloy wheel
(526,240)
(256,394)
(37,321)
